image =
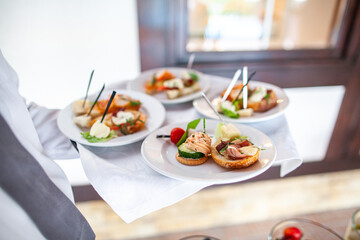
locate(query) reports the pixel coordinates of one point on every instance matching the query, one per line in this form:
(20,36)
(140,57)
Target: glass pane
(248,25)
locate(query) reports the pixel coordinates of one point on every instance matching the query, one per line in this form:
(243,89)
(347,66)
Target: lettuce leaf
(230,113)
(193,124)
(93,139)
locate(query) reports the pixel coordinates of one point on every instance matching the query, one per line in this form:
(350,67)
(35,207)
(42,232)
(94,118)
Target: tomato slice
(114,128)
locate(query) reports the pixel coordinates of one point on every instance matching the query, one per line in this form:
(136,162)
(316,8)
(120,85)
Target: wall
(54,46)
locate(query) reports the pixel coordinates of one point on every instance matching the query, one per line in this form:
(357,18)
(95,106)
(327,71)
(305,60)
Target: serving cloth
(132,189)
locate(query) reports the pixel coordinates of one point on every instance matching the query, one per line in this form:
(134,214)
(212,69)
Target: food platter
(282,103)
(159,154)
(154,110)
(138,84)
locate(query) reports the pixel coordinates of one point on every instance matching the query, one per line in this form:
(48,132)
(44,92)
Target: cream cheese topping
(228,105)
(249,150)
(174,83)
(185,75)
(258,94)
(121,117)
(99,130)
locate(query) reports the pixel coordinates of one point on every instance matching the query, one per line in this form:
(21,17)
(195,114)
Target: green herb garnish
(153,79)
(267,98)
(204,125)
(93,139)
(193,124)
(135,103)
(237,103)
(230,113)
(261,149)
(132,122)
(124,127)
(226,146)
(193,76)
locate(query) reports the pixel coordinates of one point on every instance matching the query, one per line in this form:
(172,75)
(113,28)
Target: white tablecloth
(132,189)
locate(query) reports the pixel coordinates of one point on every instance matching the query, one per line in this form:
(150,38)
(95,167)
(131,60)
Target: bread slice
(188,90)
(175,93)
(191,161)
(232,164)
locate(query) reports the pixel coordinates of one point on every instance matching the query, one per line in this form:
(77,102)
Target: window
(250,25)
(287,52)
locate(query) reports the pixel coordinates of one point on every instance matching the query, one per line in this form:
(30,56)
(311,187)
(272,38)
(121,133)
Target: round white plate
(283,101)
(138,84)
(153,109)
(159,154)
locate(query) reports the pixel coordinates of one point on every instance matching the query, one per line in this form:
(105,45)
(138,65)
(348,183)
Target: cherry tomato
(176,134)
(293,233)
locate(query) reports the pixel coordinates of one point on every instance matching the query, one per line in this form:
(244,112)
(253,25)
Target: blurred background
(308,47)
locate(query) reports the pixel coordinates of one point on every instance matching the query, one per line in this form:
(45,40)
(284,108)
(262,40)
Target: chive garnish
(204,124)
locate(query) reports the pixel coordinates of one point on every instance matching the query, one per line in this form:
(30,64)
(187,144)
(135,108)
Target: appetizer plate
(153,109)
(159,154)
(138,84)
(283,101)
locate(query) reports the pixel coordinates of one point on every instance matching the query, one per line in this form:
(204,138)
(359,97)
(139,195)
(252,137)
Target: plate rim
(186,98)
(245,119)
(63,111)
(212,181)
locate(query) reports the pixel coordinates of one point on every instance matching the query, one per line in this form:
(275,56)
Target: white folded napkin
(132,189)
(287,154)
(128,185)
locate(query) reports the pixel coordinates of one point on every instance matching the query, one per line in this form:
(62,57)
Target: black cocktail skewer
(97,98)
(87,91)
(109,103)
(251,76)
(162,136)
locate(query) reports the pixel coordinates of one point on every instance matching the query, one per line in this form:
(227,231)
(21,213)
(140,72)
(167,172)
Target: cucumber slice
(187,153)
